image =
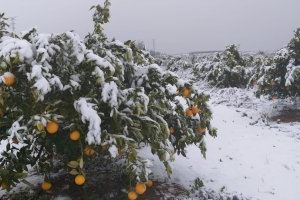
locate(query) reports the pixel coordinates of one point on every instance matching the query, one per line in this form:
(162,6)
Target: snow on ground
(251,161)
(252,157)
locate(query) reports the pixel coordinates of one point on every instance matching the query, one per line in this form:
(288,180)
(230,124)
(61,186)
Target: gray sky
(179,26)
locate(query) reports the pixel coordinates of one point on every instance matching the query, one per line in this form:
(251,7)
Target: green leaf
(73,164)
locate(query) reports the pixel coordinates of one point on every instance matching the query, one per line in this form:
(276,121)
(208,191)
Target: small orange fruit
(149,183)
(46,185)
(189,112)
(195,110)
(132,195)
(201,130)
(52,127)
(140,188)
(9,79)
(186,92)
(75,135)
(79,180)
(172,130)
(88,151)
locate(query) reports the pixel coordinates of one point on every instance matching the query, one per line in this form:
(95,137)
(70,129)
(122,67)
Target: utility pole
(153,44)
(13,25)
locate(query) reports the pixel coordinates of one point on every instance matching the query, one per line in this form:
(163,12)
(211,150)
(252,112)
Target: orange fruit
(75,135)
(140,188)
(79,180)
(52,127)
(189,112)
(9,79)
(149,183)
(46,185)
(132,195)
(172,130)
(186,92)
(201,130)
(195,110)
(88,151)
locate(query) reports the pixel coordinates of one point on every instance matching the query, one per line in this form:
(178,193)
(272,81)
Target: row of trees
(277,74)
(64,99)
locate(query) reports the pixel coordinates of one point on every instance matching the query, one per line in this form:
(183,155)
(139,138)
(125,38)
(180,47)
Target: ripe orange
(189,112)
(88,151)
(52,127)
(140,188)
(46,185)
(132,195)
(201,130)
(79,180)
(172,130)
(149,183)
(9,79)
(195,110)
(75,135)
(186,92)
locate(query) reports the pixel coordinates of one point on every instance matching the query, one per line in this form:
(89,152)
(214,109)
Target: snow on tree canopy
(110,94)
(90,115)
(15,48)
(106,90)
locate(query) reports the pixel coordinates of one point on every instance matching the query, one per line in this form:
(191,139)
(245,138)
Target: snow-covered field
(251,158)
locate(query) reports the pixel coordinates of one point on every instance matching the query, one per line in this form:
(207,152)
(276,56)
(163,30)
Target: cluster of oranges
(79,180)
(192,110)
(140,188)
(52,128)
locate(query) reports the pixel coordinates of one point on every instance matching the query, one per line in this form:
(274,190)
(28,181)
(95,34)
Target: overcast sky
(178,26)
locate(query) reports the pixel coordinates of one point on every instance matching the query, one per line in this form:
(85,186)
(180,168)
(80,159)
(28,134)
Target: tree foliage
(109,91)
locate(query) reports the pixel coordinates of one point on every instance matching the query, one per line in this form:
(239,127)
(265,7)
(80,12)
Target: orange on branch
(88,151)
(195,110)
(172,130)
(79,180)
(75,135)
(52,127)
(149,183)
(46,185)
(186,92)
(140,188)
(9,79)
(201,130)
(132,195)
(189,112)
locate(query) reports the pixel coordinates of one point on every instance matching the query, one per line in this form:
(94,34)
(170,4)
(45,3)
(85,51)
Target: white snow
(110,94)
(172,89)
(13,47)
(254,161)
(113,150)
(89,114)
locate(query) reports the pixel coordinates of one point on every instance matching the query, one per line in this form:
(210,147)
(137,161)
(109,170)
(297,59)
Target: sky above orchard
(178,26)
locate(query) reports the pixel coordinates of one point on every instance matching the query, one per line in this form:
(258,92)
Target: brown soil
(287,116)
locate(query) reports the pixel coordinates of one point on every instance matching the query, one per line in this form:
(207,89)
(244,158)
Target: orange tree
(63,99)
(281,78)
